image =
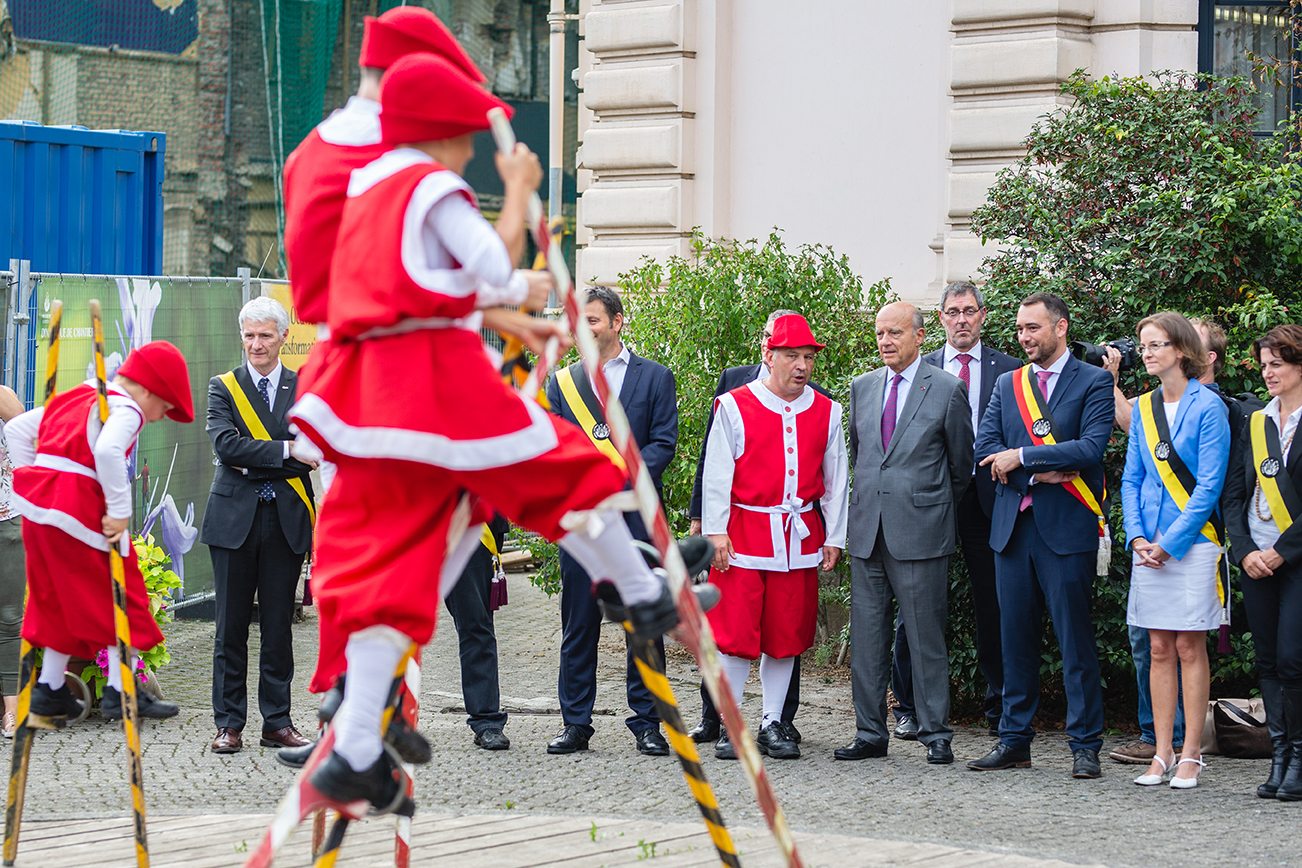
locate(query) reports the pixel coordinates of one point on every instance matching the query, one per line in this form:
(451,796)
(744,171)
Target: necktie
(965,373)
(889,413)
(266,492)
(1044,390)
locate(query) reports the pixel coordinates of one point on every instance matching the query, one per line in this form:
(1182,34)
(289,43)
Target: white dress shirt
(953,366)
(272,386)
(1264,531)
(909,374)
(615,370)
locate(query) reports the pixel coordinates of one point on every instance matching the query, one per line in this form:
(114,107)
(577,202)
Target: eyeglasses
(967,312)
(1153,347)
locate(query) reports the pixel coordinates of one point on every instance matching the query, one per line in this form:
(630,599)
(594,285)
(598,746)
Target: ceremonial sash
(1269,464)
(1179,482)
(1044,432)
(588,411)
(259,432)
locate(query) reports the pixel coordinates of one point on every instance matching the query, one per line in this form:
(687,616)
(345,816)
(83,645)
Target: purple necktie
(964,373)
(1044,390)
(888,413)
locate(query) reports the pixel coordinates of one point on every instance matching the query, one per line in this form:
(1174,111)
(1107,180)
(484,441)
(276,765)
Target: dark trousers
(580,630)
(1030,579)
(789,707)
(1274,607)
(468,603)
(266,566)
(974,535)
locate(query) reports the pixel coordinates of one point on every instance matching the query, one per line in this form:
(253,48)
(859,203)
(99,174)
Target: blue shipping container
(81,201)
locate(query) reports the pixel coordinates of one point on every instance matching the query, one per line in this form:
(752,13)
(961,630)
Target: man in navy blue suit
(1042,440)
(649,397)
(962,313)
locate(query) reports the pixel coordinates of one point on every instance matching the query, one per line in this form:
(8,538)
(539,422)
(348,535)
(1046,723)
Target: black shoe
(1290,786)
(696,551)
(723,748)
(859,749)
(773,742)
(492,739)
(906,728)
(381,784)
(706,730)
(411,745)
(660,614)
(48,702)
(651,743)
(330,701)
(110,705)
(1003,757)
(295,757)
(1272,697)
(571,739)
(939,753)
(789,728)
(1085,764)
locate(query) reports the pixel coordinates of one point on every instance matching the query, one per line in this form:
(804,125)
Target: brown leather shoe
(286,736)
(227,741)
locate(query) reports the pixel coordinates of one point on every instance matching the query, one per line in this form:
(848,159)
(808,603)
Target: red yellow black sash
(1272,474)
(578,394)
(1043,432)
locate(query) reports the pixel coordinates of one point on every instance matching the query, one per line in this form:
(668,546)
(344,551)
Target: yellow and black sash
(258,431)
(1272,473)
(1180,482)
(578,394)
(1044,432)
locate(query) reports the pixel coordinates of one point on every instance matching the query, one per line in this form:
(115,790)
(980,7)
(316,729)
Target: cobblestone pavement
(1037,812)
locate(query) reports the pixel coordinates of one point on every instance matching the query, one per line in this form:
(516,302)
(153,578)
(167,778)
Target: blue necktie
(266,492)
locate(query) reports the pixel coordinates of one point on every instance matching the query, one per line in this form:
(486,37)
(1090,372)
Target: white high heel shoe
(1187,783)
(1147,780)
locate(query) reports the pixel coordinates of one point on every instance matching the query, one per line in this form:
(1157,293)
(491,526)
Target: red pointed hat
(792,331)
(407,29)
(424,97)
(160,368)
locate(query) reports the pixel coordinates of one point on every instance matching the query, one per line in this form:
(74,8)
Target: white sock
(775,678)
(54,664)
(115,668)
(737,669)
(373,655)
(610,556)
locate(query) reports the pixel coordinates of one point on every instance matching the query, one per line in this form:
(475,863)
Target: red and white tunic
(63,492)
(766,462)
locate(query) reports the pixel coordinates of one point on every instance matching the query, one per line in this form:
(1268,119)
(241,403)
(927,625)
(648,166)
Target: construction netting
(235,85)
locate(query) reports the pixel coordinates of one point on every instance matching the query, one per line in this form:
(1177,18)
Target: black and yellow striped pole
(652,669)
(22,752)
(130,712)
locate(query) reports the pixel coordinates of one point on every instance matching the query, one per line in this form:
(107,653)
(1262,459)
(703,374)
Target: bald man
(911,449)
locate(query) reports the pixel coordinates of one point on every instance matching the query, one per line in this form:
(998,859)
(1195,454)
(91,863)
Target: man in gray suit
(911,449)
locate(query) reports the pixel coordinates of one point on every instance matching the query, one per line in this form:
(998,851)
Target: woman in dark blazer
(1261,506)
(1176,456)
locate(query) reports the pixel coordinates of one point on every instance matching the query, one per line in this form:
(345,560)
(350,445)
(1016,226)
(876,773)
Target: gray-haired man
(258,528)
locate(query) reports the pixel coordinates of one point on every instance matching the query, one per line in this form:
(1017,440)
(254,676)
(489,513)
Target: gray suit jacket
(911,491)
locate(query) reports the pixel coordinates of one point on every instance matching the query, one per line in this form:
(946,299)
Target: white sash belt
(420,325)
(783,509)
(66,465)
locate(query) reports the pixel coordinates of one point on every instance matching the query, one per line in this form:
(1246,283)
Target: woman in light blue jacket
(1176,456)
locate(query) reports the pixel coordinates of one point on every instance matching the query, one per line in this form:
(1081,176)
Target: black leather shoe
(330,701)
(906,729)
(1002,757)
(939,753)
(696,551)
(492,739)
(790,729)
(411,745)
(295,757)
(110,705)
(381,784)
(859,749)
(1085,764)
(660,614)
(706,730)
(571,739)
(773,742)
(48,702)
(723,748)
(651,743)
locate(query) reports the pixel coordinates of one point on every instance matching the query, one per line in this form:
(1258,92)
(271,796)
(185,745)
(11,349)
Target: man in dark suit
(649,397)
(911,449)
(1042,440)
(962,313)
(708,729)
(258,528)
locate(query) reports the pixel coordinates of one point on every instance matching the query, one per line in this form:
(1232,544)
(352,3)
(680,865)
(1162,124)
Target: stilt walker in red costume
(75,499)
(407,405)
(775,450)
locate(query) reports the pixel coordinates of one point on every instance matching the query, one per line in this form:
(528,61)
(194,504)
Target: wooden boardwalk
(505,840)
